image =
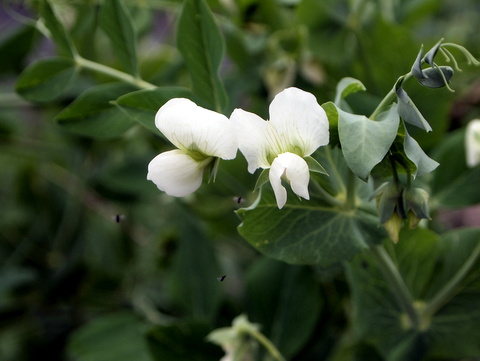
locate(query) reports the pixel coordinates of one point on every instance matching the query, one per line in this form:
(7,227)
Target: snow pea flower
(200,135)
(297,127)
(472,143)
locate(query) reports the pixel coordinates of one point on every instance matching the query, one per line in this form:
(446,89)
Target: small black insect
(221,278)
(118,218)
(238,199)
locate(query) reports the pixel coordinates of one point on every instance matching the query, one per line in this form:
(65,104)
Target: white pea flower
(297,127)
(200,135)
(472,143)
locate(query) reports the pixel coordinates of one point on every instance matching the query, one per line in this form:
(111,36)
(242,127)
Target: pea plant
(281,202)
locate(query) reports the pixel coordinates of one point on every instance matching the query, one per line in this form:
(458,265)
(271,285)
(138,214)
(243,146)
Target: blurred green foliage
(97,264)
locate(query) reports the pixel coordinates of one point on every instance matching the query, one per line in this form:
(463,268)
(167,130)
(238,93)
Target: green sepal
(262,179)
(314,166)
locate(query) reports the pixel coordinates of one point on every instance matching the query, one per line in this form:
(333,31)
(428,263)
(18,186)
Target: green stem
(398,286)
(325,195)
(390,97)
(272,350)
(351,190)
(449,290)
(113,73)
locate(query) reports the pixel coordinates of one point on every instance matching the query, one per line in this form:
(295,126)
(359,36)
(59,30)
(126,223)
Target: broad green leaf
(192,285)
(364,141)
(114,337)
(59,34)
(347,86)
(278,296)
(201,43)
(46,79)
(427,263)
(307,232)
(115,20)
(409,112)
(93,115)
(142,105)
(416,154)
(454,184)
(182,341)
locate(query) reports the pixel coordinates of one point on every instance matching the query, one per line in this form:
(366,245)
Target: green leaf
(192,285)
(93,115)
(115,20)
(46,79)
(347,86)
(454,184)
(278,295)
(142,105)
(364,141)
(433,76)
(409,112)
(201,43)
(415,153)
(332,115)
(114,337)
(59,34)
(427,263)
(307,232)
(182,341)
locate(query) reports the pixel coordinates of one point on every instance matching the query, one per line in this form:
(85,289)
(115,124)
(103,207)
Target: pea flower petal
(176,173)
(193,128)
(252,134)
(200,135)
(299,120)
(294,170)
(472,143)
(298,125)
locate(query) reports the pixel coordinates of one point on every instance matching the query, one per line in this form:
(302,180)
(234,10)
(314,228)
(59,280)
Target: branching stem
(113,73)
(398,286)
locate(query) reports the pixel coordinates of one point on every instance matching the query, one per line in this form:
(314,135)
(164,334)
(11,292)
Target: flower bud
(472,143)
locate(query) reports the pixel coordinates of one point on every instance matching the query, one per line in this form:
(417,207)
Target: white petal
(252,139)
(176,173)
(472,143)
(299,121)
(295,170)
(191,127)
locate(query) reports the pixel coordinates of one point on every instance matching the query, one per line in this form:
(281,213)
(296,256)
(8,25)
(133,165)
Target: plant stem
(272,350)
(390,97)
(351,190)
(326,196)
(443,296)
(397,283)
(113,73)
